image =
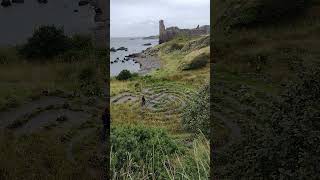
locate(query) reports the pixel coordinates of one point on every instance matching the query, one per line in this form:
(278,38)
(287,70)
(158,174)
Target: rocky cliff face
(167,34)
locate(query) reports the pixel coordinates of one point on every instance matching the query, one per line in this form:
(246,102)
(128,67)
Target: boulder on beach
(147,44)
(122,49)
(83,2)
(17,1)
(113,49)
(43,1)
(134,55)
(5,3)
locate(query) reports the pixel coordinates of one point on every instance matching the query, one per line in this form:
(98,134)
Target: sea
(134,45)
(19,20)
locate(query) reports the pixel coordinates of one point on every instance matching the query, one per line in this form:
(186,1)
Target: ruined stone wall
(167,34)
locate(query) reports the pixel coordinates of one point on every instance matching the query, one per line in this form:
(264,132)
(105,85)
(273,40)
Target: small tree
(124,75)
(46,42)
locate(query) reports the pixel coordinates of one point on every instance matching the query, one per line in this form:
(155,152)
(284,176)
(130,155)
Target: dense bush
(88,81)
(173,47)
(196,115)
(124,75)
(82,42)
(288,147)
(137,148)
(238,13)
(8,55)
(196,62)
(46,42)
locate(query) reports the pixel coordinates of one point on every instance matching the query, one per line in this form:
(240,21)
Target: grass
(42,154)
(194,164)
(252,65)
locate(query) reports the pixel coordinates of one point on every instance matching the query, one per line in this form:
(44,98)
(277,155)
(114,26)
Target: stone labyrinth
(56,116)
(168,99)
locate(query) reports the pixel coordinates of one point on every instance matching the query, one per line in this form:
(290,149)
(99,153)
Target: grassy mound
(196,59)
(234,13)
(132,144)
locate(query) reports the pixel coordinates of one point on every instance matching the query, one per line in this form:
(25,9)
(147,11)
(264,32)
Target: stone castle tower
(162,30)
(167,34)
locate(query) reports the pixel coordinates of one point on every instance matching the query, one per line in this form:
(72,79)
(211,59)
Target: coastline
(148,60)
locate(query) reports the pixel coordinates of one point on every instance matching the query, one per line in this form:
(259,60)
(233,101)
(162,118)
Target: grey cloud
(140,17)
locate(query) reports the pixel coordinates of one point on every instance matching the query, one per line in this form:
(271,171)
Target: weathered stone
(83,2)
(17,1)
(122,49)
(167,34)
(5,3)
(43,1)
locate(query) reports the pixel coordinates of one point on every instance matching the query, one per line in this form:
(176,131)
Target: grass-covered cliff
(266,74)
(171,92)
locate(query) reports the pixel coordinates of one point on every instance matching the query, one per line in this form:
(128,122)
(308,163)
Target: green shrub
(250,13)
(196,62)
(173,47)
(46,42)
(8,55)
(196,115)
(137,147)
(72,56)
(288,146)
(88,81)
(124,75)
(81,42)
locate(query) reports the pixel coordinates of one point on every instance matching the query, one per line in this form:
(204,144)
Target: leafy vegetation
(266,84)
(46,42)
(196,116)
(196,60)
(166,90)
(69,72)
(287,147)
(145,147)
(124,75)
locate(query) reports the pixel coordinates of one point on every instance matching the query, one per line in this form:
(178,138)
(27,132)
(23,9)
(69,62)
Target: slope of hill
(262,48)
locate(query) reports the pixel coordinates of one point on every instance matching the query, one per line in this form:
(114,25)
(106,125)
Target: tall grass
(195,164)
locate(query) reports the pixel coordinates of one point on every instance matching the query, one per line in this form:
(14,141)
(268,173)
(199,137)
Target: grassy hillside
(50,111)
(168,91)
(261,48)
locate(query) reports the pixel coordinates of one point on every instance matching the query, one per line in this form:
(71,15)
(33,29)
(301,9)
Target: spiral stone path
(54,115)
(167,99)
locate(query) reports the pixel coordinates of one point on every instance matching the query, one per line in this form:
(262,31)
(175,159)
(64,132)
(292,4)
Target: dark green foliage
(173,47)
(196,115)
(198,62)
(81,42)
(124,75)
(46,42)
(250,13)
(288,146)
(8,55)
(89,82)
(145,146)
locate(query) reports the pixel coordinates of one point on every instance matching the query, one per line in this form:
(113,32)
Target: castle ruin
(167,34)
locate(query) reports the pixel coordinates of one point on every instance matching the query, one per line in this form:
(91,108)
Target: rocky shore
(148,60)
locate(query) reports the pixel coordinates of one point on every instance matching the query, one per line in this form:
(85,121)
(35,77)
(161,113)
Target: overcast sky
(136,18)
